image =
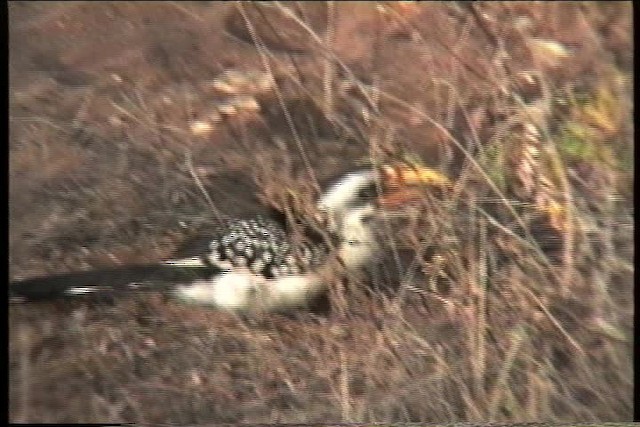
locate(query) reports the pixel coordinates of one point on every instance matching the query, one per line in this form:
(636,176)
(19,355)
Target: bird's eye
(366,218)
(367,192)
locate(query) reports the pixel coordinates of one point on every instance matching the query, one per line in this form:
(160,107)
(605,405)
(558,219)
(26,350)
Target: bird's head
(352,205)
(361,193)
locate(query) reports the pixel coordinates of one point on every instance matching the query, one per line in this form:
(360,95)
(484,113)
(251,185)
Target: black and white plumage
(259,244)
(252,264)
(287,275)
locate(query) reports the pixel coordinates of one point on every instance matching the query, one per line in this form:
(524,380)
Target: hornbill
(255,264)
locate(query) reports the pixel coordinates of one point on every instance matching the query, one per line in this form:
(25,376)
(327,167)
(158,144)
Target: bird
(254,264)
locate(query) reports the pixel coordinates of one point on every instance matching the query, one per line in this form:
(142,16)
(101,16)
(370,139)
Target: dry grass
(507,299)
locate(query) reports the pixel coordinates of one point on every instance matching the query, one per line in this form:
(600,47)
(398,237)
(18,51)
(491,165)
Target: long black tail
(112,280)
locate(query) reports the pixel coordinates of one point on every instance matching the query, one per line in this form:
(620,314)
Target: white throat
(358,245)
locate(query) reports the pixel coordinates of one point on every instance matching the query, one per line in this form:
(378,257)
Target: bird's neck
(358,243)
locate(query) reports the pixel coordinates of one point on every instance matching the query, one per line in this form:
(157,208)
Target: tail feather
(113,280)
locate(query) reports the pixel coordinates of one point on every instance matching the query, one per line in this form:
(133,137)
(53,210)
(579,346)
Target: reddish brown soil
(101,95)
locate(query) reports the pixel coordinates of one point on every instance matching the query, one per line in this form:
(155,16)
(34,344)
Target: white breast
(244,291)
(232,290)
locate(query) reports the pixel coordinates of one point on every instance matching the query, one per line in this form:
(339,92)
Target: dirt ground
(120,123)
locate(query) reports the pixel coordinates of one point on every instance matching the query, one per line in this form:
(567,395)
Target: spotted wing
(260,245)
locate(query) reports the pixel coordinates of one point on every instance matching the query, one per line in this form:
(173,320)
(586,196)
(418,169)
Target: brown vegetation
(508,298)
